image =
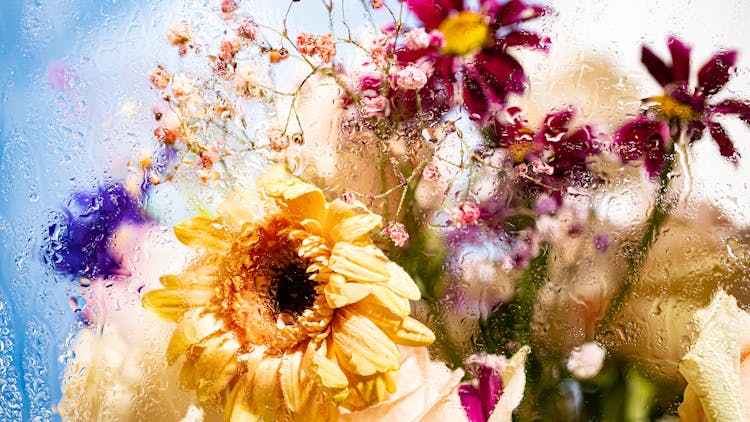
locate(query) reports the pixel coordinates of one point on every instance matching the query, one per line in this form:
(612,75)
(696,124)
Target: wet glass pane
(374,210)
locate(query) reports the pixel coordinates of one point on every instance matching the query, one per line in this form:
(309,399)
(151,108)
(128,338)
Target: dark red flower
(476,47)
(687,108)
(558,155)
(643,138)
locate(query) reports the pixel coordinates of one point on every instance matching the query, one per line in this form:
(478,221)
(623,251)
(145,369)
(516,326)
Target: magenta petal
(526,39)
(642,138)
(490,388)
(501,73)
(680,59)
(695,130)
(405,55)
(559,119)
(516,11)
(726,147)
(471,403)
(715,73)
(573,151)
(437,94)
(475,98)
(432,12)
(656,67)
(739,108)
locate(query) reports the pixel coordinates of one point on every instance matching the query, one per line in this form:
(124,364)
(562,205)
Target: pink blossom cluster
(381,50)
(372,103)
(311,45)
(419,39)
(411,78)
(248,30)
(159,77)
(465,214)
(431,173)
(397,233)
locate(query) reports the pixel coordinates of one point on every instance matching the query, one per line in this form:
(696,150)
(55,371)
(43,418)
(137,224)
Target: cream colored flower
(117,370)
(290,313)
(116,378)
(717,367)
(426,391)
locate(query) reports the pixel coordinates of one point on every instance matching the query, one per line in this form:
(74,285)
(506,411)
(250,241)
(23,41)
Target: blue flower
(78,242)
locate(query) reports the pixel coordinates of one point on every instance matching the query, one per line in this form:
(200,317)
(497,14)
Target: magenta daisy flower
(475,47)
(687,107)
(681,107)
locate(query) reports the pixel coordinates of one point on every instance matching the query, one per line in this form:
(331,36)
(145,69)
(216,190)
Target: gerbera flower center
(292,291)
(465,32)
(268,295)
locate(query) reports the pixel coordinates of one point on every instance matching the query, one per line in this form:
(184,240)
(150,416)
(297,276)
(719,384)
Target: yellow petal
(357,263)
(235,212)
(341,295)
(172,304)
(326,373)
(187,378)
(252,359)
(185,280)
(195,326)
(312,226)
(216,367)
(290,373)
(319,408)
(712,366)
(354,227)
(201,232)
(301,199)
(339,210)
(360,346)
(691,409)
(367,391)
(402,330)
(237,408)
(401,283)
(267,397)
(396,303)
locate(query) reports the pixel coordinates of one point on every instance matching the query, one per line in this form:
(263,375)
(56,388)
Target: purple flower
(476,47)
(643,138)
(480,397)
(689,108)
(601,242)
(78,242)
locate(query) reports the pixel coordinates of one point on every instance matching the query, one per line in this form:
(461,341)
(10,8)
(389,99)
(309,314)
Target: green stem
(511,323)
(450,354)
(638,257)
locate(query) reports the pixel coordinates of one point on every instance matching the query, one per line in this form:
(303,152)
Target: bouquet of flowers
(378,221)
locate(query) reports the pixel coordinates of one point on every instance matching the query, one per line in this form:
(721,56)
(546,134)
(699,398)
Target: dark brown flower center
(291,291)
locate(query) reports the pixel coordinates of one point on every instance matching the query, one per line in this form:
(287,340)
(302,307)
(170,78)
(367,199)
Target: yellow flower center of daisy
(674,109)
(465,32)
(522,145)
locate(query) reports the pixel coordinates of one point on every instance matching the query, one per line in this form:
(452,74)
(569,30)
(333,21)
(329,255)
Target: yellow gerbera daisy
(293,313)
